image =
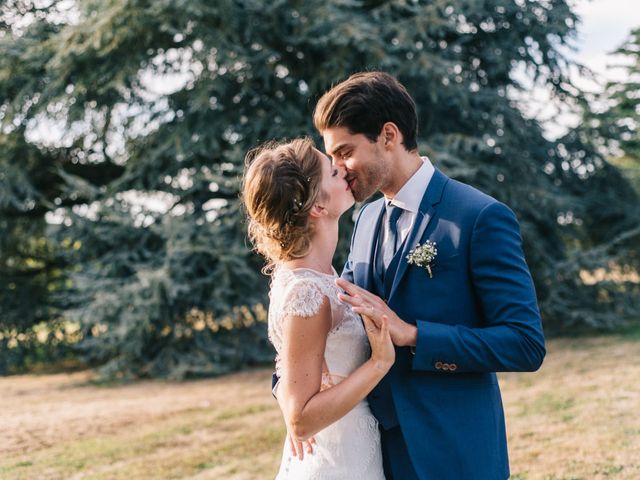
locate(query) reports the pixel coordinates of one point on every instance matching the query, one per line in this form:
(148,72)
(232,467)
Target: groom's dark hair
(364,102)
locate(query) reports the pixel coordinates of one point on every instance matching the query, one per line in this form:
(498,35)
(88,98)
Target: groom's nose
(336,162)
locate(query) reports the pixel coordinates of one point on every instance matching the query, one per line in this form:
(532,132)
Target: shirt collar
(411,193)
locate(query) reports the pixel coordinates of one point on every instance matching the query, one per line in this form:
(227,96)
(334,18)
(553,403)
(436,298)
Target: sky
(605,25)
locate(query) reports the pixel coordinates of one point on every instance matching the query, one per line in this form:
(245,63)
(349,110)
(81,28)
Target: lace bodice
(301,292)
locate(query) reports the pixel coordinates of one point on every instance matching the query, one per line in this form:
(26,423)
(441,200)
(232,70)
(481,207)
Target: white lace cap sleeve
(302,298)
(300,293)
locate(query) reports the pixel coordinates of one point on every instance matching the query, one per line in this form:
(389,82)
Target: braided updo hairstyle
(280,187)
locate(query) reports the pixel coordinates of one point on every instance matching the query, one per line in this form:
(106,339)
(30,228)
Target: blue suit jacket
(478,315)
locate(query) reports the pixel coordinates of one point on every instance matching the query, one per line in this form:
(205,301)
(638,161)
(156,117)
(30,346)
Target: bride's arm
(306,409)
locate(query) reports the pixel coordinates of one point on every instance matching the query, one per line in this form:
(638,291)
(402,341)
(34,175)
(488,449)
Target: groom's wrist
(410,336)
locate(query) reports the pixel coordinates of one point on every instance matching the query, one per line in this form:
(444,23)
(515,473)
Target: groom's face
(360,157)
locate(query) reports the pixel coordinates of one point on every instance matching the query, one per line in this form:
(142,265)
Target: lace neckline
(318,272)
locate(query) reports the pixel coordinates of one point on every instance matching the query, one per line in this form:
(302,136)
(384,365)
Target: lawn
(577,418)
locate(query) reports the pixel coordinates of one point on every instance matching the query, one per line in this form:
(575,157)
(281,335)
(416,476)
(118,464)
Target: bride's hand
(298,448)
(383,353)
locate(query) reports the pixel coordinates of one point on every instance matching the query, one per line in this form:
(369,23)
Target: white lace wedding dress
(349,448)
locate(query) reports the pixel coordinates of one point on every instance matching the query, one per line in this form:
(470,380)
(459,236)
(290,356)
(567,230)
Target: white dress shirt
(409,198)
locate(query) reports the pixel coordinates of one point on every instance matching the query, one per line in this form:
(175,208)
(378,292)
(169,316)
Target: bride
(328,359)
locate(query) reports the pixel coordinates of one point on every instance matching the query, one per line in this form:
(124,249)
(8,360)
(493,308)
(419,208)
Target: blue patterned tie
(391,245)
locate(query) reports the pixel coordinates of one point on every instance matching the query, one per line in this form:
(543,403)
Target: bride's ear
(318,211)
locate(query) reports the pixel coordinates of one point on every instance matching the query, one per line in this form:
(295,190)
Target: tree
(159,101)
(612,121)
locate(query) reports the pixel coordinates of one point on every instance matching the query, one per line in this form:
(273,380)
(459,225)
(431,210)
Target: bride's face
(336,194)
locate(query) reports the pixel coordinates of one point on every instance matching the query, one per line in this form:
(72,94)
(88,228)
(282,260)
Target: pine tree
(158,102)
(615,129)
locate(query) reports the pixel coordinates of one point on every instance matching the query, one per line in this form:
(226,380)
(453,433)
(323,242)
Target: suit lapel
(426,212)
(371,247)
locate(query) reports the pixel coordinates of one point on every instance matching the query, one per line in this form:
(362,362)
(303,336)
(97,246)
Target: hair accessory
(289,215)
(297,205)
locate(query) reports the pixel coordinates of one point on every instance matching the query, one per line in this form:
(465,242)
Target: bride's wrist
(380,366)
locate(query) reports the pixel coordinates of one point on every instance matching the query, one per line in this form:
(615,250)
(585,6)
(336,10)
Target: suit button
(439,365)
(445,366)
(453,367)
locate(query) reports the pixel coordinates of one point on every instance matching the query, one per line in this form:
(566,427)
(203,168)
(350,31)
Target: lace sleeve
(303,298)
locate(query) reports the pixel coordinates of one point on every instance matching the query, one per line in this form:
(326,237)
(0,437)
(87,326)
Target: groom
(466,310)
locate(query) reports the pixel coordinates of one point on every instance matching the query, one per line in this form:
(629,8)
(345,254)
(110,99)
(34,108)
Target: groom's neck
(402,167)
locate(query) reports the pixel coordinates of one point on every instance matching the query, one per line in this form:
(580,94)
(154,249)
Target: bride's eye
(335,172)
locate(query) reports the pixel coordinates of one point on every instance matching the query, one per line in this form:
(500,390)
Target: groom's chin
(360,195)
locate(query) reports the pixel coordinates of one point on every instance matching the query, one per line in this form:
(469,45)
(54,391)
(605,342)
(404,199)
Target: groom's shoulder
(466,195)
(472,203)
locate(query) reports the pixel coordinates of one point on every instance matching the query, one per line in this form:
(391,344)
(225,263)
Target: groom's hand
(403,334)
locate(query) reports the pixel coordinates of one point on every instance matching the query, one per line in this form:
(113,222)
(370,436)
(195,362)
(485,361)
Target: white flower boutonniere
(423,256)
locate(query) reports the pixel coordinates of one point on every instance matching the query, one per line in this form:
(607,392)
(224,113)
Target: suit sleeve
(511,338)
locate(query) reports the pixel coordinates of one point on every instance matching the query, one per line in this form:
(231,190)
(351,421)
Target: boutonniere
(423,256)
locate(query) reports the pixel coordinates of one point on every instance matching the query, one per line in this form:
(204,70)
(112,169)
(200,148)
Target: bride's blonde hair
(281,184)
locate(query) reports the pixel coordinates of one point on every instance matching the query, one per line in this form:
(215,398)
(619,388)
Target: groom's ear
(391,135)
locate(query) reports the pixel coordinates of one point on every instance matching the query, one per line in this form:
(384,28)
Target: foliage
(619,124)
(612,119)
(149,107)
